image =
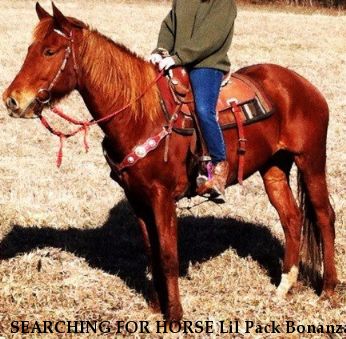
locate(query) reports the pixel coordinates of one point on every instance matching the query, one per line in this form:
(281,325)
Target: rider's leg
(206,83)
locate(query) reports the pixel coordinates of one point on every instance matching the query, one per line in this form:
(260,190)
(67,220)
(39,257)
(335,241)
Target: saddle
(177,98)
(241,102)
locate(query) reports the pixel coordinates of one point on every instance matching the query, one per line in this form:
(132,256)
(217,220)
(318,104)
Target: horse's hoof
(153,300)
(174,314)
(282,290)
(334,299)
(154,306)
(281,293)
(329,288)
(288,280)
(327,294)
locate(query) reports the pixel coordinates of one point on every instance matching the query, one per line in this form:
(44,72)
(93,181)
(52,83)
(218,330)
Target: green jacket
(199,33)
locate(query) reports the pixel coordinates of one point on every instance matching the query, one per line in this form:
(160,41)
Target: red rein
(84,125)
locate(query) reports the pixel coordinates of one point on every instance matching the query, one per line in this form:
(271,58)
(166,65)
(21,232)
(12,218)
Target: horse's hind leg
(312,168)
(275,177)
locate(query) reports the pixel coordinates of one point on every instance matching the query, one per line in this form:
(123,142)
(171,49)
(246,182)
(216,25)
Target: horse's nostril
(12,103)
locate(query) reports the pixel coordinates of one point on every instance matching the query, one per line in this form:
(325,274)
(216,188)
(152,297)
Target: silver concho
(130,160)
(152,143)
(140,151)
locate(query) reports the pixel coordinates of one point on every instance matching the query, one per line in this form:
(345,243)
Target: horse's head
(50,69)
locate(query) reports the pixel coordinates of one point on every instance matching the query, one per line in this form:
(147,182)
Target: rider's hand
(166,63)
(155,58)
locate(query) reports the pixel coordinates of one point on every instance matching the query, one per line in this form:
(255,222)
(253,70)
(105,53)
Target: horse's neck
(110,78)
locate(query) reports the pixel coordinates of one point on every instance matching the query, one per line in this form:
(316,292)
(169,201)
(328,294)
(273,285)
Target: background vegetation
(339,4)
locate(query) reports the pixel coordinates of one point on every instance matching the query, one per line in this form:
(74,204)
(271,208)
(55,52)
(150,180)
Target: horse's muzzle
(15,109)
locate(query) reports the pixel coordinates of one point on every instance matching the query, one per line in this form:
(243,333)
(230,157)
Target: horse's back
(286,86)
(301,111)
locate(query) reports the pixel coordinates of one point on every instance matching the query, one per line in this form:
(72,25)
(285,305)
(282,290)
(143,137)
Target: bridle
(68,51)
(139,152)
(44,95)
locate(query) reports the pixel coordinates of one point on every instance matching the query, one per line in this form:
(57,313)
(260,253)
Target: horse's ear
(41,12)
(60,21)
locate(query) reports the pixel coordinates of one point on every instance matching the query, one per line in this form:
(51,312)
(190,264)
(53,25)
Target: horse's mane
(120,74)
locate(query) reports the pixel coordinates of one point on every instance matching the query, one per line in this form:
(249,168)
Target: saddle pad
(252,111)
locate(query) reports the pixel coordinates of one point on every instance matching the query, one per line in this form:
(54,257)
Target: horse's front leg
(153,297)
(144,218)
(164,245)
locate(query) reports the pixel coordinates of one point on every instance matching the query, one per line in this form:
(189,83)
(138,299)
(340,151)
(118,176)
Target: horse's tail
(311,245)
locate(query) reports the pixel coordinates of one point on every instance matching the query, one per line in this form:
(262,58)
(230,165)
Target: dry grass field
(70,247)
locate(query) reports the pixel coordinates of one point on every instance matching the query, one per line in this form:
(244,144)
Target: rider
(197,34)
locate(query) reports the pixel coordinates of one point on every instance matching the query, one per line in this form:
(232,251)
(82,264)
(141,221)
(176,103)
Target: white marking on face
(60,33)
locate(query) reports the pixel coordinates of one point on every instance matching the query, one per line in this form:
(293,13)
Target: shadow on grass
(116,246)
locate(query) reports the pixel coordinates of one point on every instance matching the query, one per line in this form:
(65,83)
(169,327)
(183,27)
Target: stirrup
(203,174)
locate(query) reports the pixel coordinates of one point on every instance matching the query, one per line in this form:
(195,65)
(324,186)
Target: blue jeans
(206,83)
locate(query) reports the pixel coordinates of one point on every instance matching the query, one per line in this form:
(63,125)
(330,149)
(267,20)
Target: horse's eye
(48,52)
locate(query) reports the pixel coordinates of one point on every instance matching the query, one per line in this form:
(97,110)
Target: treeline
(339,4)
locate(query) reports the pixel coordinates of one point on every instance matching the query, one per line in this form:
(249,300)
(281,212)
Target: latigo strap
(241,140)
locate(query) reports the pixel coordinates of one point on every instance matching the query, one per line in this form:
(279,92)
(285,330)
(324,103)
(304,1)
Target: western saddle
(241,102)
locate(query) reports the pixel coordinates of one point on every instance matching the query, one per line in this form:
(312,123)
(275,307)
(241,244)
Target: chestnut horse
(108,77)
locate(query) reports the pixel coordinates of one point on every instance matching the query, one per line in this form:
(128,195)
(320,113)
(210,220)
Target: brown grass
(312,4)
(70,245)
